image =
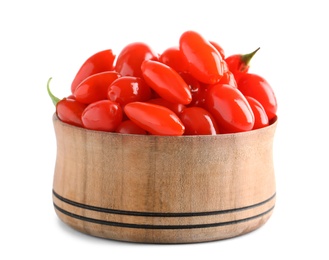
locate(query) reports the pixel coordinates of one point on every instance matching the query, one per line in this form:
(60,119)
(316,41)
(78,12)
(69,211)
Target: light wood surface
(163,189)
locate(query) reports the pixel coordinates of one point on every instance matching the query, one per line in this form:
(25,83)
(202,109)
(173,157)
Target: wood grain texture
(163,189)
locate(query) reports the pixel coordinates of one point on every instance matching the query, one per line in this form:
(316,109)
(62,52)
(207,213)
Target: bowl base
(163,228)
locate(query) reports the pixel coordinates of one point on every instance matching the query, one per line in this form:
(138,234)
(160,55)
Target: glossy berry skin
(198,121)
(199,97)
(69,111)
(261,119)
(239,64)
(175,107)
(129,127)
(205,63)
(166,82)
(197,89)
(131,58)
(230,108)
(99,62)
(94,88)
(228,78)
(257,87)
(155,119)
(128,89)
(175,59)
(218,48)
(104,115)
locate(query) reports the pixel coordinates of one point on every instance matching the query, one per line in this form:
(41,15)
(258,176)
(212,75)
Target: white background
(42,39)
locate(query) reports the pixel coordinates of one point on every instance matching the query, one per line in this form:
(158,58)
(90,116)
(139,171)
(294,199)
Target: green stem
(53,98)
(247,57)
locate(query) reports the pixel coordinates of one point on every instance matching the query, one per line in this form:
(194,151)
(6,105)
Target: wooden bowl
(163,189)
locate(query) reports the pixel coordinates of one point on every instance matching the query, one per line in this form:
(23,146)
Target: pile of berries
(188,89)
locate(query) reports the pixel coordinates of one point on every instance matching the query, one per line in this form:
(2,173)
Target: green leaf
(53,98)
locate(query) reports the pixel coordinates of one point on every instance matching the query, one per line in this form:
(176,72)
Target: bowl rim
(273,123)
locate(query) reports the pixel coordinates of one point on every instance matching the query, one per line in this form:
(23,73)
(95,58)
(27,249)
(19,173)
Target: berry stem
(247,57)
